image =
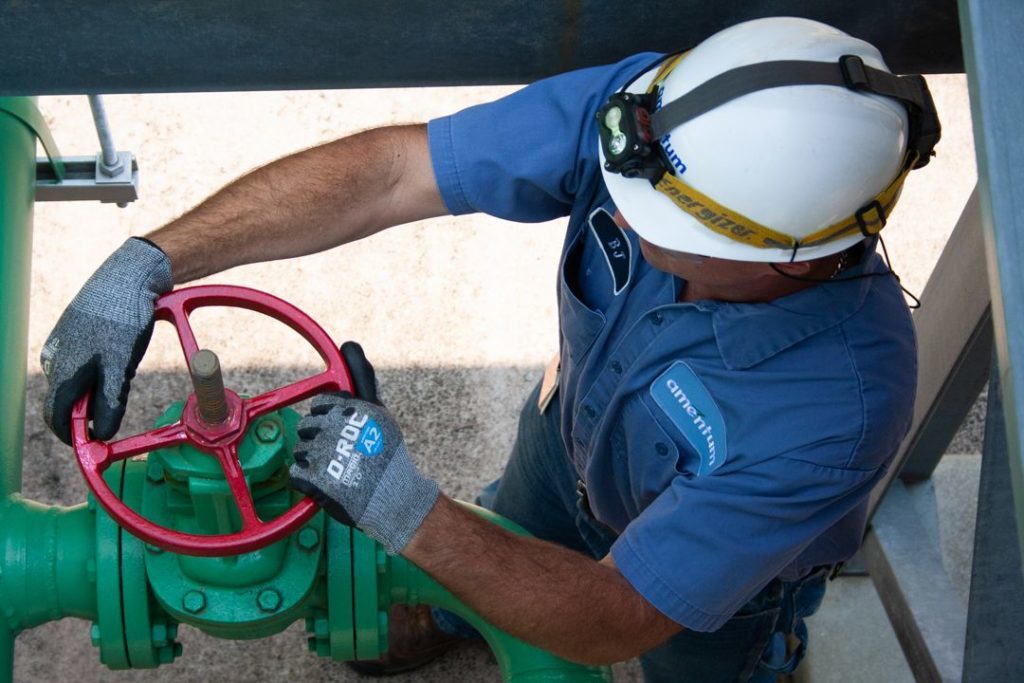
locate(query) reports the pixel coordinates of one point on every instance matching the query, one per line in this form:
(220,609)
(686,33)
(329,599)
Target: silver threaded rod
(209,385)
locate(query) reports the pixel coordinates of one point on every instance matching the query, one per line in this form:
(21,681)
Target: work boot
(414,640)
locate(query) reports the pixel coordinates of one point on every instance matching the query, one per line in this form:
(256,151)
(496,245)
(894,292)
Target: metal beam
(996,610)
(954,333)
(993,53)
(906,567)
(97,46)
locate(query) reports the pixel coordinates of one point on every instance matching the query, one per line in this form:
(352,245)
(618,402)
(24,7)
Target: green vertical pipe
(6,654)
(17,190)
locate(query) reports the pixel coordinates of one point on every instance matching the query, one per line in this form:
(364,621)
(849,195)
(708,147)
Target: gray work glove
(101,336)
(351,459)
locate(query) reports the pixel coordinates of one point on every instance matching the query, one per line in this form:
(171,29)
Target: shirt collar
(749,333)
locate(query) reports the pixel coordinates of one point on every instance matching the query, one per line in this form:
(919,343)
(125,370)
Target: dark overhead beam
(98,46)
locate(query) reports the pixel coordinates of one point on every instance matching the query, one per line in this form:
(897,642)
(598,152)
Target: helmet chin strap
(845,257)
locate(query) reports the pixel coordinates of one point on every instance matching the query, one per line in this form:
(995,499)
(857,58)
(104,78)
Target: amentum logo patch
(687,403)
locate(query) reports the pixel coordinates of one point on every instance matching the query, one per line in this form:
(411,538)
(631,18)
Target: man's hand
(101,337)
(351,459)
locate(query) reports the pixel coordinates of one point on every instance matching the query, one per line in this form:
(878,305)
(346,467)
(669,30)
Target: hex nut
(269,600)
(267,431)
(155,472)
(308,538)
(194,602)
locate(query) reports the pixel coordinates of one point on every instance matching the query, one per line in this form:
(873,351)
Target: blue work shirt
(726,443)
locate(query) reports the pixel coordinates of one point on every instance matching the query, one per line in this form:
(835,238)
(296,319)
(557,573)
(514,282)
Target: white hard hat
(795,158)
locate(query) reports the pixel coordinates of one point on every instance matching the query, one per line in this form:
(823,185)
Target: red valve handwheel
(221,441)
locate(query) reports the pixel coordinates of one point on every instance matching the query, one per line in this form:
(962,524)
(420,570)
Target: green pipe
(48,563)
(17,190)
(17,156)
(518,661)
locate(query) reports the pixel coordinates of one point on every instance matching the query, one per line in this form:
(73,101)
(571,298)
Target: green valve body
(245,596)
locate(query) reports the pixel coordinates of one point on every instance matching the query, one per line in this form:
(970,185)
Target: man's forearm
(307,202)
(545,594)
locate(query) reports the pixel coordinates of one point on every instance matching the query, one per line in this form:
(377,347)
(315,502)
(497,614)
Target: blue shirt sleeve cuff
(446,167)
(659,593)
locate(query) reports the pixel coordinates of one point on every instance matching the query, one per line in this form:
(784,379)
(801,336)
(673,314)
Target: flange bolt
(269,600)
(194,602)
(308,538)
(267,431)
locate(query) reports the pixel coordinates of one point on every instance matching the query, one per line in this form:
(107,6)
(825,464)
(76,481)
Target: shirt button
(616,367)
(589,410)
(661,448)
(656,318)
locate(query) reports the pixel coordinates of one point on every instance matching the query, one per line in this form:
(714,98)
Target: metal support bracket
(86,180)
(996,608)
(927,615)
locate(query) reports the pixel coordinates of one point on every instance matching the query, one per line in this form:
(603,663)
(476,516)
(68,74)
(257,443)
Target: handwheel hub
(204,434)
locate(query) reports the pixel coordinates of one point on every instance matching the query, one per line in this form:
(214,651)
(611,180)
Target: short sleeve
(526,156)
(707,545)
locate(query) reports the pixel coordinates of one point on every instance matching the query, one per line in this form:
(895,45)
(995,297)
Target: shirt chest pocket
(580,323)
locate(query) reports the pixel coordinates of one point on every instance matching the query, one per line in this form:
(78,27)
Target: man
(736,367)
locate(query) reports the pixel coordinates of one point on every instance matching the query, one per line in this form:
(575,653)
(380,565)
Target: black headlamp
(624,124)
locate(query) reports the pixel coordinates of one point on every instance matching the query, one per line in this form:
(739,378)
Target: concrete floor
(458,315)
(851,638)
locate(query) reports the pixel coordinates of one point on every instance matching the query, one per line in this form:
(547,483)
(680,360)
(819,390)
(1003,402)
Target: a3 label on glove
(360,437)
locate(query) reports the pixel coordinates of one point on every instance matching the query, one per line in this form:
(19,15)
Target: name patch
(615,245)
(685,400)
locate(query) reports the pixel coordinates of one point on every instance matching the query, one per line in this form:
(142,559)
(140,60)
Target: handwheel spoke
(185,335)
(293,393)
(161,437)
(228,456)
(173,310)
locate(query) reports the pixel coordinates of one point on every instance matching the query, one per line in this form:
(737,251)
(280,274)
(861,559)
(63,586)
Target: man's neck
(757,292)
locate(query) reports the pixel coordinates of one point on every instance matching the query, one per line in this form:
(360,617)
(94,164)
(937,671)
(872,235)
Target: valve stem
(209,385)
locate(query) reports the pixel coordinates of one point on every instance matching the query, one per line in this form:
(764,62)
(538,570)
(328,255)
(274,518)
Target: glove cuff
(154,260)
(400,503)
(149,242)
